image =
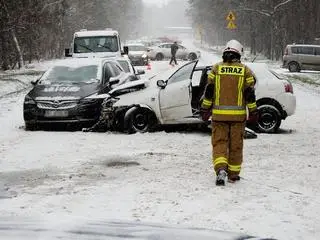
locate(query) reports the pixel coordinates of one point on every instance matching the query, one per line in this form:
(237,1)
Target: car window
(116,69)
(305,50)
(318,51)
(181,47)
(196,76)
(182,74)
(166,46)
(108,73)
(125,65)
(294,50)
(96,44)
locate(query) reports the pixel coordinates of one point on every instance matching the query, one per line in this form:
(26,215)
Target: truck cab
(102,43)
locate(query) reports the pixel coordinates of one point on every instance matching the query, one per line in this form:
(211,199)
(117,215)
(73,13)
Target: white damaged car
(173,98)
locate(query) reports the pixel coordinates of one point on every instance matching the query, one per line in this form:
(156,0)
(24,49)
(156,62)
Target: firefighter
(228,94)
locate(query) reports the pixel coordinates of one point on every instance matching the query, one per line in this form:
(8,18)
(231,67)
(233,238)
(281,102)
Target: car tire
(294,67)
(192,56)
(141,120)
(269,119)
(159,57)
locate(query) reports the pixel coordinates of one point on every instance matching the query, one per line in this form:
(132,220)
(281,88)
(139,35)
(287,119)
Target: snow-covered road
(164,177)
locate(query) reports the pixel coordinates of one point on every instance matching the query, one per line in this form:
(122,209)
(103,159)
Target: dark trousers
(173,59)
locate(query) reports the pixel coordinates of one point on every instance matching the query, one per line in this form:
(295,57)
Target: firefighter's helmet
(234,46)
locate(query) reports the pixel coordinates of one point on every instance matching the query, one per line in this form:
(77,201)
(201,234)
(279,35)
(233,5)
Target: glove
(205,114)
(253,117)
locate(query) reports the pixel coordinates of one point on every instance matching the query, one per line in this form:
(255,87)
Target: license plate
(56,114)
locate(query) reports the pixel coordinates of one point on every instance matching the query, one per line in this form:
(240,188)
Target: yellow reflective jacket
(229,82)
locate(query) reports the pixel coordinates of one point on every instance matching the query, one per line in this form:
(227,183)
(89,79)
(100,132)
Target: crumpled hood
(63,91)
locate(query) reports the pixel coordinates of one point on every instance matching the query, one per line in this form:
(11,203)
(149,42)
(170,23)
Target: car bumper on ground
(288,103)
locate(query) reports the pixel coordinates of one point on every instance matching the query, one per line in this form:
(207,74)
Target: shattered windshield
(96,44)
(85,74)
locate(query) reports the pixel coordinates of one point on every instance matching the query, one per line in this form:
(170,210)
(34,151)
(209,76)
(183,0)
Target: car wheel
(294,67)
(192,56)
(141,120)
(269,119)
(159,57)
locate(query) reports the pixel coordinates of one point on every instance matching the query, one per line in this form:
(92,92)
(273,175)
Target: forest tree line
(266,26)
(42,29)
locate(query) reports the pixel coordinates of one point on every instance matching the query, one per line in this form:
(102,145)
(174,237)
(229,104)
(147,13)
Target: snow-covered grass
(165,177)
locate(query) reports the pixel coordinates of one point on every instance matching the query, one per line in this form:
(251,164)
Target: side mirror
(125,50)
(140,72)
(114,80)
(162,84)
(67,52)
(34,82)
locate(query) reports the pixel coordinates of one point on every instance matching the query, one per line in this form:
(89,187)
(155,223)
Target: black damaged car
(68,92)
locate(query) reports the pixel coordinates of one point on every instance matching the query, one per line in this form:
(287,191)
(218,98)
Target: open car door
(175,97)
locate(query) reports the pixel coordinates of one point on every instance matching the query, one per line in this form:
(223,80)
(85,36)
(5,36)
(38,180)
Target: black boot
(233,179)
(221,178)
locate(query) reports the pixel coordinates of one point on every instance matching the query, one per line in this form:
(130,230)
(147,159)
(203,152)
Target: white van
(103,43)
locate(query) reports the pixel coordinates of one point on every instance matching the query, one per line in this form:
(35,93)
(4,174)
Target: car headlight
(29,100)
(144,55)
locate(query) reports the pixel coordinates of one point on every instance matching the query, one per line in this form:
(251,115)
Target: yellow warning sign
(231,25)
(231,16)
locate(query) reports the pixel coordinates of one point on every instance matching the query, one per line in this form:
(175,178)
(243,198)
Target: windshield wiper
(104,46)
(85,47)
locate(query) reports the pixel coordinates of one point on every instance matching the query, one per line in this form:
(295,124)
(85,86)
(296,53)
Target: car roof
(96,33)
(302,45)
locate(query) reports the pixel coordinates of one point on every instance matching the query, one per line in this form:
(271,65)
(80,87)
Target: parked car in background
(138,54)
(67,92)
(163,51)
(173,98)
(299,57)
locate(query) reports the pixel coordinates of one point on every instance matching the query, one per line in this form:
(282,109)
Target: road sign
(231,25)
(231,16)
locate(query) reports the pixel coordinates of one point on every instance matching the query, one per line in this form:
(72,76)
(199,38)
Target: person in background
(174,49)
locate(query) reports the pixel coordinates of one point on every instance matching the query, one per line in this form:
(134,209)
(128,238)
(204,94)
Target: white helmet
(234,46)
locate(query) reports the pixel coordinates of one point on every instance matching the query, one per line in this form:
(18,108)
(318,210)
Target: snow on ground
(164,177)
